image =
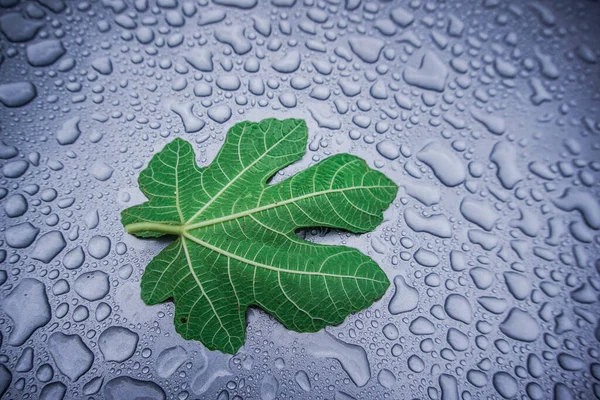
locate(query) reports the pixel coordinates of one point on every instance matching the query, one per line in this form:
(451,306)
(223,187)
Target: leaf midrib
(244,260)
(241,173)
(181,229)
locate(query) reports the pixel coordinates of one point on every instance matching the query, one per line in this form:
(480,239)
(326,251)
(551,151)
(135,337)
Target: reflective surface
(484,112)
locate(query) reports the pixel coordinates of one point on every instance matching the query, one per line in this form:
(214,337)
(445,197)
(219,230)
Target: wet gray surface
(484,112)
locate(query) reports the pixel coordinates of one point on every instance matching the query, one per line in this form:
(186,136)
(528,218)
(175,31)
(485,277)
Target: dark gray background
(489,104)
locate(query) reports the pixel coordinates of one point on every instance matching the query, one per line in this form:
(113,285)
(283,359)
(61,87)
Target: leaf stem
(155,227)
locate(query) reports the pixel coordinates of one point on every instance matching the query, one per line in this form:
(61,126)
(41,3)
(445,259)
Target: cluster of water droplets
(483,112)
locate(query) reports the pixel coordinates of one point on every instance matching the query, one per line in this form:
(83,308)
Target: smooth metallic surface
(484,112)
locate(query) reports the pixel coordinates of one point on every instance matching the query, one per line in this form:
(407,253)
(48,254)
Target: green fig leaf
(236,244)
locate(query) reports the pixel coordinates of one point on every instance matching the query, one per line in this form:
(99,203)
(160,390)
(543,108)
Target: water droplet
(92,285)
(117,343)
(71,356)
